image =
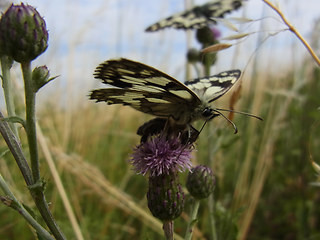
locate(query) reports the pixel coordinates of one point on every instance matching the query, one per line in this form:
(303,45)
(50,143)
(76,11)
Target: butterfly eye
(207,113)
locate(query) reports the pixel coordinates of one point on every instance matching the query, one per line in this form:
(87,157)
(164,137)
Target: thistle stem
(193,219)
(168,229)
(15,148)
(7,89)
(12,202)
(37,187)
(30,96)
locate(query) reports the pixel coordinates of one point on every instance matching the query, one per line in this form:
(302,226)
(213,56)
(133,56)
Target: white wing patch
(211,88)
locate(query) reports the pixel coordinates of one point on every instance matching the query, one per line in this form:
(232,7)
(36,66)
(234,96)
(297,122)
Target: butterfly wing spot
(157,100)
(181,94)
(160,81)
(213,90)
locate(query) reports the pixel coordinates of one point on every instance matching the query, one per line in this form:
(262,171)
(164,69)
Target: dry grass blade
(216,47)
(58,182)
(241,19)
(226,23)
(236,36)
(294,30)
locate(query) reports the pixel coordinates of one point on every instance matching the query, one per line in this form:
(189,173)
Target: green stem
(193,219)
(37,187)
(7,89)
(15,204)
(30,96)
(212,219)
(15,148)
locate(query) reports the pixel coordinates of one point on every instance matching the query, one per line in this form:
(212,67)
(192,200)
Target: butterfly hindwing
(213,87)
(197,17)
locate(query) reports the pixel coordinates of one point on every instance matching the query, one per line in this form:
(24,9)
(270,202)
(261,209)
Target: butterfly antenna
(202,126)
(232,123)
(243,113)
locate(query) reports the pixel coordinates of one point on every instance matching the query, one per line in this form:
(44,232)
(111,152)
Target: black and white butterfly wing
(145,89)
(197,17)
(211,88)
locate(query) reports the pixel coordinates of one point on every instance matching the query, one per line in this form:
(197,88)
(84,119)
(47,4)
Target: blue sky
(84,33)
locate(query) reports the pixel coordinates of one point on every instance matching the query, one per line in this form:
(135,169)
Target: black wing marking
(213,87)
(197,17)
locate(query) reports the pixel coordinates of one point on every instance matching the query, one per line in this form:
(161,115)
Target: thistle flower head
(200,182)
(165,197)
(161,155)
(23,33)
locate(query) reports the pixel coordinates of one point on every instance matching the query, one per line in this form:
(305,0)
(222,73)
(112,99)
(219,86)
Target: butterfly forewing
(145,89)
(213,87)
(197,17)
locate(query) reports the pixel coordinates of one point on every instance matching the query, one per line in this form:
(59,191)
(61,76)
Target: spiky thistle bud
(165,197)
(40,76)
(205,36)
(200,182)
(193,55)
(23,33)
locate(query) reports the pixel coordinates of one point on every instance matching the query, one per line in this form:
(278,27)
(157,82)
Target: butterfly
(151,91)
(198,16)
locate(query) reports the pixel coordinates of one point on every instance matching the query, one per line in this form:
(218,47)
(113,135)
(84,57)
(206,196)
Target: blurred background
(266,186)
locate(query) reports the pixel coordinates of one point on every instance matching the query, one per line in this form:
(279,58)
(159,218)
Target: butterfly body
(151,91)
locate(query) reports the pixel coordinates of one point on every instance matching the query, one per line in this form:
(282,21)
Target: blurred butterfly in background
(198,16)
(151,91)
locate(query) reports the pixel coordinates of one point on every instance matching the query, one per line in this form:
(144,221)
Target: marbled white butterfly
(197,17)
(151,91)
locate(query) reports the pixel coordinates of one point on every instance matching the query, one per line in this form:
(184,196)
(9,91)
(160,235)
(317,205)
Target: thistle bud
(193,55)
(205,36)
(23,33)
(165,197)
(40,76)
(200,182)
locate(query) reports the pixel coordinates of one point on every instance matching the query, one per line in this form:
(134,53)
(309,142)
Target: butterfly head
(208,113)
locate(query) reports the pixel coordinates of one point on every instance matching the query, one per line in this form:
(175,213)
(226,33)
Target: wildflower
(23,33)
(200,182)
(161,155)
(165,196)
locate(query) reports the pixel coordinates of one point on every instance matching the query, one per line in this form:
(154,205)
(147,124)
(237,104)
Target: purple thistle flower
(161,155)
(216,32)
